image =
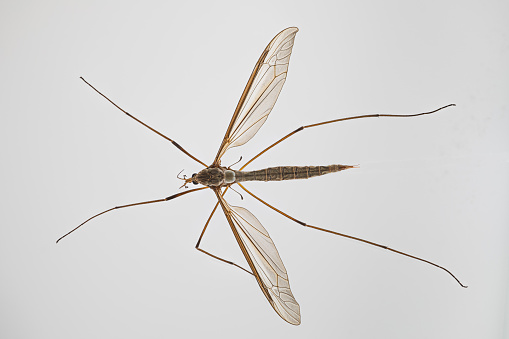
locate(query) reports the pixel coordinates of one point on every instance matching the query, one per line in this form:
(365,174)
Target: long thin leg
(349,236)
(223,260)
(206,224)
(197,246)
(341,119)
(129,205)
(144,124)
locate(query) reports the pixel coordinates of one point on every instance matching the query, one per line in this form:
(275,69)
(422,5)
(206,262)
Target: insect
(255,104)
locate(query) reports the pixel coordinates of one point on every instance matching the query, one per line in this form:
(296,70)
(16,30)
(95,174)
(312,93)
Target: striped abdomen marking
(287,173)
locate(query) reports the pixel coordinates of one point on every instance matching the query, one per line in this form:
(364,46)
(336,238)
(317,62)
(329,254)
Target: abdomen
(287,173)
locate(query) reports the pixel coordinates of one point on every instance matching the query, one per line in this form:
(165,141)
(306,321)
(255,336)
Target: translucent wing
(261,92)
(264,260)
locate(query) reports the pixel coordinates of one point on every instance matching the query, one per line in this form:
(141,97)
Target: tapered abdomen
(287,173)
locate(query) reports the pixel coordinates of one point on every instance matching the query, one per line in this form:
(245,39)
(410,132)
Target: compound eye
(194,182)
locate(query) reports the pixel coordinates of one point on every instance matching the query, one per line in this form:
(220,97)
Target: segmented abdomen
(287,173)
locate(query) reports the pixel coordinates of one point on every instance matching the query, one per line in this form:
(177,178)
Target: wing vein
(264,260)
(261,92)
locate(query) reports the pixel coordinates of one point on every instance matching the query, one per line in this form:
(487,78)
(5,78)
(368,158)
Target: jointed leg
(341,119)
(150,128)
(223,260)
(212,255)
(349,236)
(130,205)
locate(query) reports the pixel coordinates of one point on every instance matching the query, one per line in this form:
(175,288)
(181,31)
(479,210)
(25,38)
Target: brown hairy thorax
(209,177)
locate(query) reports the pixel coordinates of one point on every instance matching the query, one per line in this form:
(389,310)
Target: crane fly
(255,104)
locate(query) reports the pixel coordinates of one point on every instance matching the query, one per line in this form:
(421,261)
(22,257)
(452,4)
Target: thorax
(214,176)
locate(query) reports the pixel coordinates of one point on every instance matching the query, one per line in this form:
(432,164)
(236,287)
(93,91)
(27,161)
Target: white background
(435,186)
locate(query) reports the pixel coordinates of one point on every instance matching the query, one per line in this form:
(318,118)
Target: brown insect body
(222,176)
